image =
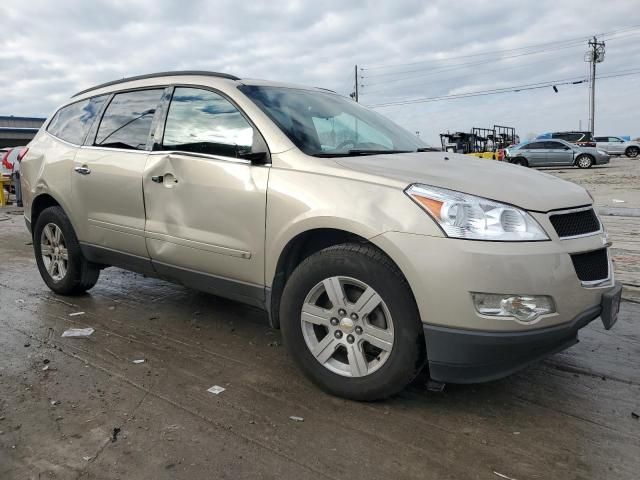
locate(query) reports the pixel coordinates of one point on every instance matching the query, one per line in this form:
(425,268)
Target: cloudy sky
(406,50)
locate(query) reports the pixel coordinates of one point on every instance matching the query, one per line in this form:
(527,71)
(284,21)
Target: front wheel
(60,261)
(520,161)
(351,323)
(584,161)
(632,152)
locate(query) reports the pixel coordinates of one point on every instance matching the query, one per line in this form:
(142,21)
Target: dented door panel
(206,214)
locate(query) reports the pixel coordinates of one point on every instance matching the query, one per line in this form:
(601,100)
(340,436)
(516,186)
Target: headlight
(466,216)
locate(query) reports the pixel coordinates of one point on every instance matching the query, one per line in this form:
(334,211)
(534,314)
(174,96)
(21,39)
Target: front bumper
(464,346)
(467,356)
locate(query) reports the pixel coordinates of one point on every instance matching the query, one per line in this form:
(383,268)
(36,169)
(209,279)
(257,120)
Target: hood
(523,187)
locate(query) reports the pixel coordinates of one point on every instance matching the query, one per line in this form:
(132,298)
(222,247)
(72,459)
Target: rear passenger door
(535,154)
(205,199)
(107,176)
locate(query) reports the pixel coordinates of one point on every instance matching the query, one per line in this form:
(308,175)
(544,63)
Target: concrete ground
(80,408)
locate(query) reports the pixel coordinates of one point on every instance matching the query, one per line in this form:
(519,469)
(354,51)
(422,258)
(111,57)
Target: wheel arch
(39,204)
(297,249)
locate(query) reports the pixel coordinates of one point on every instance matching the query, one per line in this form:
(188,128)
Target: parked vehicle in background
(618,146)
(551,153)
(374,256)
(584,139)
(4,170)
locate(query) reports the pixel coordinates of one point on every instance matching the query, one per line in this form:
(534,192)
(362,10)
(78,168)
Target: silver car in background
(618,146)
(551,153)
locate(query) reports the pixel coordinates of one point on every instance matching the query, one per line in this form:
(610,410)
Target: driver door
(205,199)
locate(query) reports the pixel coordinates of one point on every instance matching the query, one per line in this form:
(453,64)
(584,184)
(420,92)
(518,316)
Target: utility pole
(593,56)
(355,71)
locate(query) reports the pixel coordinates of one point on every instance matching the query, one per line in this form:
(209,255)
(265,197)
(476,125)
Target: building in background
(16,131)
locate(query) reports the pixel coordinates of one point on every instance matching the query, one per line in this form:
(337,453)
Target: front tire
(351,323)
(520,161)
(60,261)
(632,152)
(584,161)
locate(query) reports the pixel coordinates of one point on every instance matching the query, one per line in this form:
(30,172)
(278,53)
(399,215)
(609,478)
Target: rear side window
(127,120)
(601,139)
(202,121)
(535,146)
(72,123)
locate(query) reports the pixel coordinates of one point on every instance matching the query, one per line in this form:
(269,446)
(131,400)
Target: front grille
(575,223)
(591,266)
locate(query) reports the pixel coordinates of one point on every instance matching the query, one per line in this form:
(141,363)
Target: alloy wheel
(53,250)
(347,326)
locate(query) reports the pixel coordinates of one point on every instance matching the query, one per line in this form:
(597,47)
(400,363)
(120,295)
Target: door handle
(83,170)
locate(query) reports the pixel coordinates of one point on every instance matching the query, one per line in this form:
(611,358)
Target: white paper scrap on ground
(139,361)
(615,200)
(75,314)
(78,332)
(216,389)
(296,419)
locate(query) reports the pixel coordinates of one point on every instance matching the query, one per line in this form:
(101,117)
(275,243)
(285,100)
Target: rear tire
(372,302)
(584,161)
(60,261)
(632,152)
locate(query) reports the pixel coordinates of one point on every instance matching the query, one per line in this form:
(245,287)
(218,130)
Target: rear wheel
(351,323)
(60,261)
(584,161)
(632,152)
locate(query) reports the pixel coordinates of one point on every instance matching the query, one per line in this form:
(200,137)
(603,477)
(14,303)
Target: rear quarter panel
(46,169)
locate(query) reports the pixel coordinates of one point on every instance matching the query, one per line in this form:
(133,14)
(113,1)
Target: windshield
(328,125)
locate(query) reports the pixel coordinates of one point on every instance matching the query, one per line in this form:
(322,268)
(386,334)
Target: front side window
(324,124)
(534,146)
(555,146)
(127,120)
(72,123)
(202,121)
(615,139)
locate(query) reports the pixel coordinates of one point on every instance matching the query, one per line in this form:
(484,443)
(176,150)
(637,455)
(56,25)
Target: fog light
(525,308)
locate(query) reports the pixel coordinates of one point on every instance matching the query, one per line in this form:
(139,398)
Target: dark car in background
(584,139)
(551,153)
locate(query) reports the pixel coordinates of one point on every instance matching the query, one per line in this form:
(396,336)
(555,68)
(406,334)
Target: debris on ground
(45,368)
(78,332)
(45,361)
(502,475)
(296,419)
(27,345)
(216,389)
(86,459)
(615,200)
(54,402)
(114,434)
(635,415)
(142,360)
(19,301)
(75,314)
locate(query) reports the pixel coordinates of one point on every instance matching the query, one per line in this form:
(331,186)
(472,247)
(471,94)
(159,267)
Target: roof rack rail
(159,74)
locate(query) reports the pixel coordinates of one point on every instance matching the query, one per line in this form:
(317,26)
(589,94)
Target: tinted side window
(72,122)
(613,139)
(534,146)
(601,139)
(127,120)
(554,145)
(201,121)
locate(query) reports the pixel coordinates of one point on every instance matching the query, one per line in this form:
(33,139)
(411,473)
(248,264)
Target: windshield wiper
(358,153)
(428,149)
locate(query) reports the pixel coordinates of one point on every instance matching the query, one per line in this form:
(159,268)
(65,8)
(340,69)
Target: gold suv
(373,253)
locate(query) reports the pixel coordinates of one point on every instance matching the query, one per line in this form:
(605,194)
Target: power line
(511,89)
(557,42)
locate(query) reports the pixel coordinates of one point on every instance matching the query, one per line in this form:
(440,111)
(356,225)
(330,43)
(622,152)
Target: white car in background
(618,146)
